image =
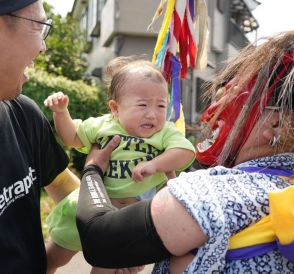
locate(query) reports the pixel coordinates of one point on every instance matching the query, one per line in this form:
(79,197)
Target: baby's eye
(142,105)
(162,106)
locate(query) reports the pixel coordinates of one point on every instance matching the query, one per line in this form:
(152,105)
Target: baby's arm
(65,127)
(170,160)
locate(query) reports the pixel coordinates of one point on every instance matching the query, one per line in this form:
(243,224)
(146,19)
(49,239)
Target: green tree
(65,48)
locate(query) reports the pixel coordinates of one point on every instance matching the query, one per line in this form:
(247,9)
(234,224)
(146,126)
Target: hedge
(85,100)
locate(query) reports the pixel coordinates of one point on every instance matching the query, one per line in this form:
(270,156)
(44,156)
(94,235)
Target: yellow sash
(279,224)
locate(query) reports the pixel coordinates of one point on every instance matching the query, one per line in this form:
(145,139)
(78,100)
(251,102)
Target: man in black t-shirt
(30,156)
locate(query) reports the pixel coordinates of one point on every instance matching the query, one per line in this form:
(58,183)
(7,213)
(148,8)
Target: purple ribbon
(191,8)
(268,170)
(258,250)
(176,68)
(248,252)
(287,250)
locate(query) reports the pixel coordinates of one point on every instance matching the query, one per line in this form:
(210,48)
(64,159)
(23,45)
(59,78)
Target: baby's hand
(142,170)
(57,102)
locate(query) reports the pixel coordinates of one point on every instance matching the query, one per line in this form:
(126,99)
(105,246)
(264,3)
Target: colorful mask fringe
(237,117)
(176,47)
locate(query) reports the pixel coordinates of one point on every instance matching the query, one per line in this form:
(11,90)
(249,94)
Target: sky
(273,16)
(61,6)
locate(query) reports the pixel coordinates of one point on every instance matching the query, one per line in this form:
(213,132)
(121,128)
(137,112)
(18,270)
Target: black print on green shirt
(122,169)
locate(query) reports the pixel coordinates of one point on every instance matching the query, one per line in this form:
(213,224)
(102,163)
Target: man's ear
(112,104)
(273,129)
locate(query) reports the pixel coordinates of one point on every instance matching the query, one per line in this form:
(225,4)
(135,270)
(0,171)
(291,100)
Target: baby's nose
(150,114)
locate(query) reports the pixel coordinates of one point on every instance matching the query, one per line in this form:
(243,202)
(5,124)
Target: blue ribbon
(162,51)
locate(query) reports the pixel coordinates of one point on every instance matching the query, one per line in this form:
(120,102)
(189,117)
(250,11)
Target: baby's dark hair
(120,69)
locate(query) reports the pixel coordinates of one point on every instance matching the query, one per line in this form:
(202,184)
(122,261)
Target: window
(92,15)
(84,21)
(221,5)
(100,5)
(201,104)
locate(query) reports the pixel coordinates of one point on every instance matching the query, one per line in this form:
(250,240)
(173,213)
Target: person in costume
(31,158)
(234,217)
(150,149)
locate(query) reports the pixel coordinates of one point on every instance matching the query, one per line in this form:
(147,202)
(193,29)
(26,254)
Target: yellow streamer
(180,123)
(164,27)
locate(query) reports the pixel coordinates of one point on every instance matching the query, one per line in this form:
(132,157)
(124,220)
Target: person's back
(231,200)
(250,144)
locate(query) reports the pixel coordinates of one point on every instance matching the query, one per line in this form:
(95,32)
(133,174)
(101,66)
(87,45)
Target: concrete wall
(123,31)
(127,17)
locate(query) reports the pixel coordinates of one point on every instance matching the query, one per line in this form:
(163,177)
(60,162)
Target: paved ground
(78,265)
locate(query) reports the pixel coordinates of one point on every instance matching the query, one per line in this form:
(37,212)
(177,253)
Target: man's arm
(113,238)
(62,185)
(135,235)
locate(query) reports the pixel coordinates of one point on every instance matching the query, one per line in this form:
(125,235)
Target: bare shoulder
(172,221)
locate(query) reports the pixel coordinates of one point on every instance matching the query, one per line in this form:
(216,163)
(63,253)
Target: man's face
(20,44)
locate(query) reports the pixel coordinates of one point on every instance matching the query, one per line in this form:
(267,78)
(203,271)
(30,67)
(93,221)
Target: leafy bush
(47,204)
(65,54)
(85,100)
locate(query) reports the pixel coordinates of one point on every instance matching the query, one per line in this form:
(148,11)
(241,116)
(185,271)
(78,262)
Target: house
(119,28)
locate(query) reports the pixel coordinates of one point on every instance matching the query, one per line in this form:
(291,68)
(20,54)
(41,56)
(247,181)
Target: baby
(150,151)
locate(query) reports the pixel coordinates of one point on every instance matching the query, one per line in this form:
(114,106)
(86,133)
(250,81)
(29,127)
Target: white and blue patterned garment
(224,201)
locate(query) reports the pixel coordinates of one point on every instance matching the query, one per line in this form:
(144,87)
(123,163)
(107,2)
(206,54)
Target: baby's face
(141,107)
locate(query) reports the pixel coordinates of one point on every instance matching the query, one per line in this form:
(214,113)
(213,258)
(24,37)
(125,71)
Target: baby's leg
(123,202)
(57,256)
(179,264)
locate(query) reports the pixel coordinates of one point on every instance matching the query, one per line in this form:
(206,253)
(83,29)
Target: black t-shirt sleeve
(48,154)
